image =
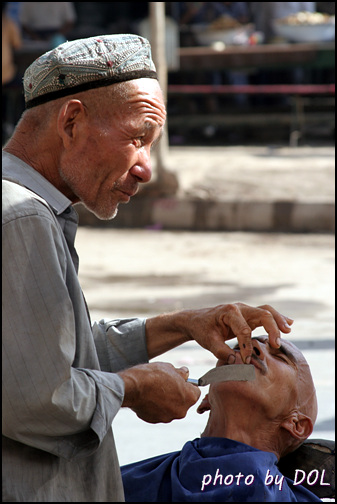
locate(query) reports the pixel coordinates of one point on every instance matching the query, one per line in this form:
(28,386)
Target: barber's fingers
(193,392)
(242,319)
(183,371)
(283,323)
(220,349)
(212,327)
(158,392)
(186,394)
(234,319)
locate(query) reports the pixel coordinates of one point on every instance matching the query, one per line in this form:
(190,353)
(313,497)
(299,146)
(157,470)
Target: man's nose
(258,349)
(142,169)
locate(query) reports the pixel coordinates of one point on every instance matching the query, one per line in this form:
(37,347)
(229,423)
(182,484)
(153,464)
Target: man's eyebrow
(288,353)
(149,125)
(283,349)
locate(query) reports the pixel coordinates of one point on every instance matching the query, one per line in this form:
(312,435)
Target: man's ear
(298,425)
(204,405)
(69,120)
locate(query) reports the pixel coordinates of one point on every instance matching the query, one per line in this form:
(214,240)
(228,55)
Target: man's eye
(281,357)
(138,142)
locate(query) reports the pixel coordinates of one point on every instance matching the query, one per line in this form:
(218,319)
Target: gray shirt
(60,391)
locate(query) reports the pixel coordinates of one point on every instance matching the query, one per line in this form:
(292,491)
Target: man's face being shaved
(282,383)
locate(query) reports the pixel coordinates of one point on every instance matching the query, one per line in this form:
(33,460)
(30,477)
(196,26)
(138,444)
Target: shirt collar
(13,168)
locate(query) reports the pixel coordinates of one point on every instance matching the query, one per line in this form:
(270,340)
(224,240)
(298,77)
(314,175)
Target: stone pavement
(270,188)
(165,265)
(144,272)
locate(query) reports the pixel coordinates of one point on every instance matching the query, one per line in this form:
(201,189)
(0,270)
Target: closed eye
(142,140)
(138,142)
(281,357)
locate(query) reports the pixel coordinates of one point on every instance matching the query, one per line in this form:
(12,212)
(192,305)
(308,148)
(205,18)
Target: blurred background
(242,203)
(251,72)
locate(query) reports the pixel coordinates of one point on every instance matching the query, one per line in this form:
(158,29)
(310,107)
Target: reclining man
(250,427)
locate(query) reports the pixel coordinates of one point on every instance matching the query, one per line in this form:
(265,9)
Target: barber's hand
(211,327)
(158,392)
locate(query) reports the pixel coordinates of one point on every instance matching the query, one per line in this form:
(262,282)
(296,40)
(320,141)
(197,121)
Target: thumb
(184,372)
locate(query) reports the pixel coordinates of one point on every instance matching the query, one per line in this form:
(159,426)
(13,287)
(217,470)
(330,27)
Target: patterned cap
(88,63)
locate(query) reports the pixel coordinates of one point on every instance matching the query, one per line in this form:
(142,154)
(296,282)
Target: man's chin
(103,213)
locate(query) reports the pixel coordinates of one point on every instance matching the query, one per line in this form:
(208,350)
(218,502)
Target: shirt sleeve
(120,343)
(48,403)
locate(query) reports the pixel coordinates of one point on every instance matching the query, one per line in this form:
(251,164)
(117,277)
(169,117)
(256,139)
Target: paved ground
(153,269)
(145,272)
(239,189)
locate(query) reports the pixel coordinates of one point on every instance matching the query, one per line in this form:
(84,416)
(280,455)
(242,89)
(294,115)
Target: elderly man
(94,111)
(250,426)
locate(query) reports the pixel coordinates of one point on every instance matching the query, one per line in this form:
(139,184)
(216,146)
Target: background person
(11,41)
(265,13)
(47,20)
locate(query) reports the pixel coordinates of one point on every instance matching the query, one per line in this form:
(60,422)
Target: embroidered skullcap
(85,64)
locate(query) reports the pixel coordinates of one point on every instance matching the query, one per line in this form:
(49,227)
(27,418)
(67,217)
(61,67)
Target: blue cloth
(211,470)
